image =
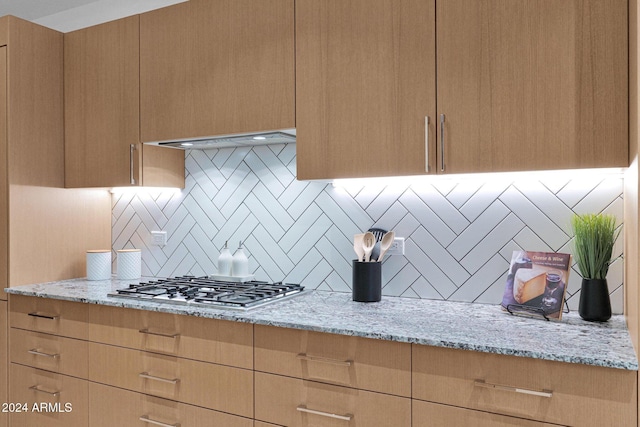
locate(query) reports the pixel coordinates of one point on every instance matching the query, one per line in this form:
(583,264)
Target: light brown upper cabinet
(521,85)
(45,229)
(532,85)
(216,67)
(102,114)
(365,87)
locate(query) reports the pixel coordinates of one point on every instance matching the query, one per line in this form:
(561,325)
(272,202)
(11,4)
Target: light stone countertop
(478,327)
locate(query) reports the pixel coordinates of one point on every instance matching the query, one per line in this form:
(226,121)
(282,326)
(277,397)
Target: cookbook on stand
(537,284)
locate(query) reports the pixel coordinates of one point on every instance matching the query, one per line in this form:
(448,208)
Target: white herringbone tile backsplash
(459,234)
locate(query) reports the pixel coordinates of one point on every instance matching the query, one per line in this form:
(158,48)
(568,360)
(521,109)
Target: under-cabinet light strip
(479,177)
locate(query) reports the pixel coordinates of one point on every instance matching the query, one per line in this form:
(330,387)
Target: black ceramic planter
(595,304)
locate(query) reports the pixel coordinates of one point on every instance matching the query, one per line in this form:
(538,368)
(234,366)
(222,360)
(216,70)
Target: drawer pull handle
(442,142)
(39,390)
(303,408)
(426,144)
(35,352)
(148,332)
(146,419)
(43,316)
(132,178)
(164,380)
(542,393)
(304,356)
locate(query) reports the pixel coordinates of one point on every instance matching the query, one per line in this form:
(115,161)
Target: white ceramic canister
(99,264)
(129,264)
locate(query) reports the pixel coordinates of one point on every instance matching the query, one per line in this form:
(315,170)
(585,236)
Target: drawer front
(65,318)
(554,392)
(50,352)
(212,386)
(209,340)
(295,402)
(263,424)
(110,406)
(68,408)
(361,363)
(436,415)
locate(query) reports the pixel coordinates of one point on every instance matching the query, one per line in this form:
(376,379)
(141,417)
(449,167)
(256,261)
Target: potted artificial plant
(595,235)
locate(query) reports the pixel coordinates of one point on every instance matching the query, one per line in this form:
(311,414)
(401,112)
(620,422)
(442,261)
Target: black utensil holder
(367,281)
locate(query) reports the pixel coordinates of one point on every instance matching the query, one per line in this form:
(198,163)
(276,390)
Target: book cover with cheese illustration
(537,283)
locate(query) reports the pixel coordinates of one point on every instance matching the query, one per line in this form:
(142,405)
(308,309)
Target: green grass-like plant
(595,235)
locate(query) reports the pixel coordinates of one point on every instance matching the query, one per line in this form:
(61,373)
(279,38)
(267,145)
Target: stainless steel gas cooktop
(206,291)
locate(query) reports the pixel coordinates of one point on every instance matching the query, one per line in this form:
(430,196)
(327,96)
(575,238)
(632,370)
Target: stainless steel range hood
(236,140)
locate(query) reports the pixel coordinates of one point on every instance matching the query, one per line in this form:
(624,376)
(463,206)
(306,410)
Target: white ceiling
(69,15)
(34,9)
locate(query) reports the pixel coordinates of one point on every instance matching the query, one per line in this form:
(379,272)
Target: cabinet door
(101,68)
(213,67)
(295,402)
(435,415)
(51,400)
(4,184)
(102,114)
(532,85)
(208,385)
(50,352)
(362,363)
(136,409)
(50,316)
(208,340)
(543,390)
(365,84)
(4,360)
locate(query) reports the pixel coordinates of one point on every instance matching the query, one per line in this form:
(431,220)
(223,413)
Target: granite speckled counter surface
(479,327)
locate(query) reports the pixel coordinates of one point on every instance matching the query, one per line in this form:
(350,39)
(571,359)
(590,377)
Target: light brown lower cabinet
(47,399)
(50,352)
(436,415)
(554,392)
(197,338)
(295,402)
(263,424)
(4,359)
(219,387)
(110,406)
(362,363)
(51,316)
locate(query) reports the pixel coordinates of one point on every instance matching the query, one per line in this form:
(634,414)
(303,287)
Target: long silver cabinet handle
(148,332)
(304,356)
(35,352)
(39,390)
(303,408)
(132,148)
(164,380)
(43,316)
(442,142)
(146,419)
(426,144)
(541,393)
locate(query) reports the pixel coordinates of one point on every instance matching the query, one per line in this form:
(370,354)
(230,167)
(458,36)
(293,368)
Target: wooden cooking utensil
(358,245)
(368,241)
(385,244)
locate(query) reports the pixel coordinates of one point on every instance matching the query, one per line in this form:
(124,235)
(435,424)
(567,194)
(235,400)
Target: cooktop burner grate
(210,292)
